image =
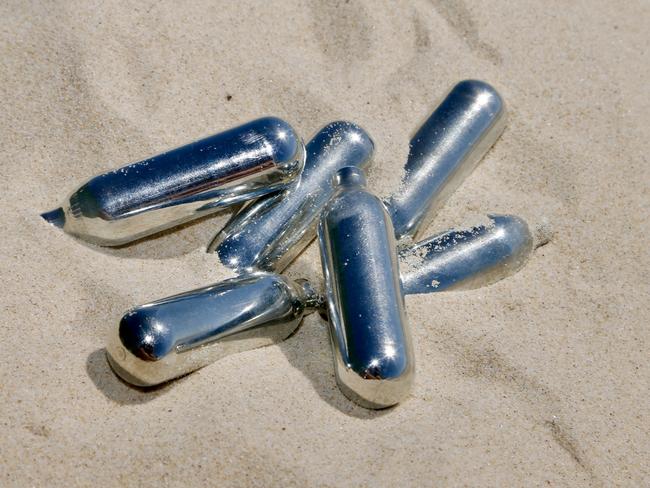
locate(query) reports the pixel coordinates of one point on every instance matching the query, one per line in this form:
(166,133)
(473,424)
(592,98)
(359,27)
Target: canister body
(185,183)
(373,356)
(270,232)
(444,151)
(171,337)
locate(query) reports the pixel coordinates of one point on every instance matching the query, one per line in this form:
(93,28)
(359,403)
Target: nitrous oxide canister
(444,151)
(162,340)
(186,183)
(373,356)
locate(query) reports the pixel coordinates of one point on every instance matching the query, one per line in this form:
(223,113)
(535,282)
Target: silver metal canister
(373,356)
(171,337)
(270,232)
(467,258)
(444,151)
(185,183)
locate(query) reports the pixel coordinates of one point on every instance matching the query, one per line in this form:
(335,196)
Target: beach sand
(541,379)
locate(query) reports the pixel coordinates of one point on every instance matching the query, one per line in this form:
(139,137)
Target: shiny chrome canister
(444,151)
(373,356)
(270,232)
(162,340)
(191,181)
(467,258)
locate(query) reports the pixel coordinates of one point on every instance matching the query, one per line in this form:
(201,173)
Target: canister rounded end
(383,383)
(350,176)
(144,336)
(286,143)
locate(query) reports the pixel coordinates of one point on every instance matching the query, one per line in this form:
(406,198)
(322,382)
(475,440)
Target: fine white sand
(540,379)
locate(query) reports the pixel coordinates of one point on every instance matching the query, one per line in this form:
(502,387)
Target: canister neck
(311,298)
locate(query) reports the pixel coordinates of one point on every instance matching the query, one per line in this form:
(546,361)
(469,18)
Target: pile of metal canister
(291,193)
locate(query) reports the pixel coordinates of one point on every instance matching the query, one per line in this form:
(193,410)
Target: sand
(541,379)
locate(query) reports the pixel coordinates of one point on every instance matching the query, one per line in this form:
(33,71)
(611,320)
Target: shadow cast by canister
(116,389)
(308,350)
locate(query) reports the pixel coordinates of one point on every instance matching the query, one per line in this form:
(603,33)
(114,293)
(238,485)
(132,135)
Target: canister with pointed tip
(191,181)
(270,232)
(444,151)
(373,357)
(171,337)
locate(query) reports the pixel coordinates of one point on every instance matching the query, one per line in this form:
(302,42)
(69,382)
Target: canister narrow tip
(55,217)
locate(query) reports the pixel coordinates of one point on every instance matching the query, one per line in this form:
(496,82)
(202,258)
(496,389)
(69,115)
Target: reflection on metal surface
(172,337)
(444,151)
(191,181)
(373,357)
(269,233)
(168,338)
(466,259)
